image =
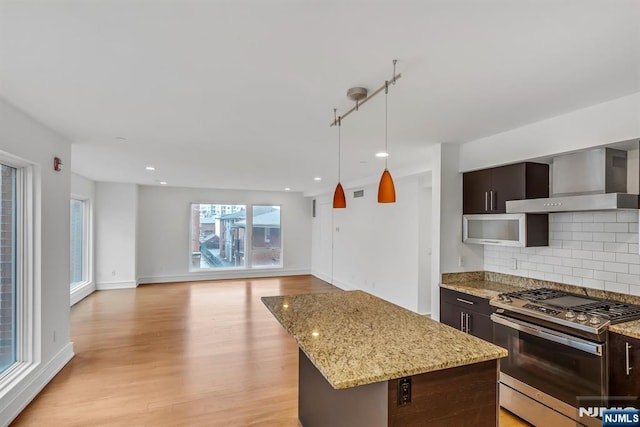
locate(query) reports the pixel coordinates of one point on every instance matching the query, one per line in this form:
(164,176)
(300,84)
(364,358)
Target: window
(8,252)
(266,244)
(218,236)
(78,242)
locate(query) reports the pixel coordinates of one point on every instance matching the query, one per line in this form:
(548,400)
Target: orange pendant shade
(339,201)
(386,189)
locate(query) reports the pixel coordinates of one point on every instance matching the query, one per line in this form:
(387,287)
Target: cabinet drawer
(465,301)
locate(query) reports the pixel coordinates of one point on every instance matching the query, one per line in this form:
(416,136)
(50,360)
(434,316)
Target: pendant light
(386,189)
(339,200)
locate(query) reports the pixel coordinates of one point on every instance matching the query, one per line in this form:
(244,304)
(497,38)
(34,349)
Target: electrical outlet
(513,263)
(404,391)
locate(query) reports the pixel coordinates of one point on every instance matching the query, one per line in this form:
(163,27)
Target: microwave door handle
(486,201)
(546,334)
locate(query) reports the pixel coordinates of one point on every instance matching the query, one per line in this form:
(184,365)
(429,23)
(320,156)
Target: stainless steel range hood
(585,181)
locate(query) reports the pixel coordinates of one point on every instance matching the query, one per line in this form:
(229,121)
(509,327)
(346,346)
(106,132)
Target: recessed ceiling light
(287,189)
(317,178)
(382,154)
(163,182)
(150,168)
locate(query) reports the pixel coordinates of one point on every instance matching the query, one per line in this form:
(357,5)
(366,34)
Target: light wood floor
(180,354)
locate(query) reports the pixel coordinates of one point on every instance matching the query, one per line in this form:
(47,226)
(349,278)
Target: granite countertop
(630,329)
(481,288)
(355,338)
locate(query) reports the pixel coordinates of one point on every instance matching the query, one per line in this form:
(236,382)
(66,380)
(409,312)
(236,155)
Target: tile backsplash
(592,249)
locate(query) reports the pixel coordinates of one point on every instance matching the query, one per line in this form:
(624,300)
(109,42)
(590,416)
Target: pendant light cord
(386,120)
(338,119)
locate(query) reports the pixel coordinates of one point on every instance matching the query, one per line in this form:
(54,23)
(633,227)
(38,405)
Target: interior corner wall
(116,216)
(375,246)
(449,254)
(163,233)
(614,121)
(24,137)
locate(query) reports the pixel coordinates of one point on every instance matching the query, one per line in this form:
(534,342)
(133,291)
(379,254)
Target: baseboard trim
(217,275)
(345,286)
(81,292)
(26,390)
(322,276)
(105,286)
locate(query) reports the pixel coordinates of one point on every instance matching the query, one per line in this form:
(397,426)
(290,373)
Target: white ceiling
(240,94)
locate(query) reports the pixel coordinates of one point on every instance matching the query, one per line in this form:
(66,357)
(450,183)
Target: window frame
(267,267)
(28,284)
(87,239)
(248,245)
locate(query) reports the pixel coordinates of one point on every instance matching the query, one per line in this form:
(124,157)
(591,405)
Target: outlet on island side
(404,391)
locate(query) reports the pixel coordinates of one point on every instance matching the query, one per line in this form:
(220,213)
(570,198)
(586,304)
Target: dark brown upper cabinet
(486,191)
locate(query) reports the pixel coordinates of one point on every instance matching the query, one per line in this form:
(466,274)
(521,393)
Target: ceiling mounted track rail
(359,102)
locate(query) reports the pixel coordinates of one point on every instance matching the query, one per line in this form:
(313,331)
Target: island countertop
(354,338)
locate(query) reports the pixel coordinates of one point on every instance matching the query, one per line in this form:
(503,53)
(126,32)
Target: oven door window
(561,371)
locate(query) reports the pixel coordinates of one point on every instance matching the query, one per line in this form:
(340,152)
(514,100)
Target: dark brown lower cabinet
(464,396)
(468,313)
(624,371)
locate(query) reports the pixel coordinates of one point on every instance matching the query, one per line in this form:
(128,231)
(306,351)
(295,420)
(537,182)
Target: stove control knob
(581,317)
(570,314)
(594,320)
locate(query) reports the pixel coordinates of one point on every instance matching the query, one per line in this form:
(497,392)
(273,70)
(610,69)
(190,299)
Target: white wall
(84,189)
(425,245)
(613,121)
(163,232)
(591,249)
(449,253)
(116,209)
(376,247)
(26,138)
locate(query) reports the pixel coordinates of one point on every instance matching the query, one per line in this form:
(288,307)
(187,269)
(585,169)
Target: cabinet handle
(491,204)
(467,317)
(486,201)
(462,321)
(627,347)
(465,301)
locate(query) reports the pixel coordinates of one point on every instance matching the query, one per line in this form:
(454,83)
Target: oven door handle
(549,335)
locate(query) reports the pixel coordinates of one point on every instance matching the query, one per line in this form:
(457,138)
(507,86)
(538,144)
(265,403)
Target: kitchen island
(365,361)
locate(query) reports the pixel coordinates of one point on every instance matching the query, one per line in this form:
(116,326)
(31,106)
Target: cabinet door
(475,191)
(480,325)
(451,315)
(621,381)
(507,183)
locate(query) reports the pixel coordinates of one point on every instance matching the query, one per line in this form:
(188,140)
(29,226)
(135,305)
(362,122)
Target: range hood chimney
(584,181)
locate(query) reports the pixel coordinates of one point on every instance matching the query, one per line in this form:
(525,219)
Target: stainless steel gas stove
(577,314)
(557,359)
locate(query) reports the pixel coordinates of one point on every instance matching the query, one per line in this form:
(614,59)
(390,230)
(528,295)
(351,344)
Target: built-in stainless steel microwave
(518,230)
